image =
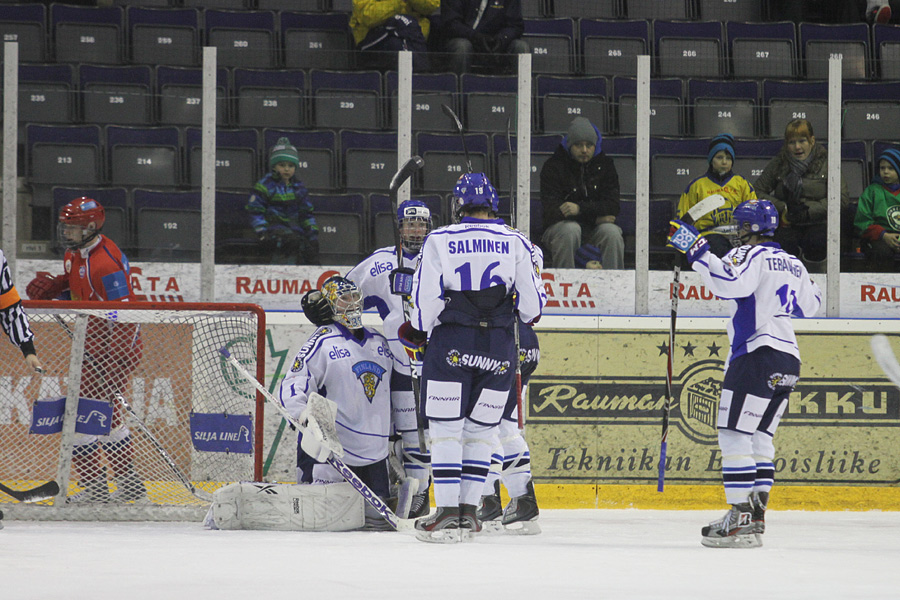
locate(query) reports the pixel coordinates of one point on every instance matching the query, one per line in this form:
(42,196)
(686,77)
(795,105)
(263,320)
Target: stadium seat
(317,151)
(144,156)
(542,148)
(596,9)
(445,159)
(622,152)
(237,157)
(236,242)
(666,111)
(788,100)
(64,155)
(246,39)
(819,42)
(560,99)
(611,47)
(381,217)
(84,34)
(730,10)
(658,9)
(489,101)
(235,5)
(167,224)
(180,94)
(429,92)
(316,41)
(369,159)
(164,36)
(296,5)
(552,43)
(270,98)
(532,9)
(27,25)
(855,166)
(342,223)
(753,156)
(116,94)
(723,107)
(871,110)
(661,210)
(762,50)
(675,163)
(46,94)
(115,207)
(346,99)
(689,49)
(886,40)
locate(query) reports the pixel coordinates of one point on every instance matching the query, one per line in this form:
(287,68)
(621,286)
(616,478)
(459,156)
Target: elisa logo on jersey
(455,358)
(369,375)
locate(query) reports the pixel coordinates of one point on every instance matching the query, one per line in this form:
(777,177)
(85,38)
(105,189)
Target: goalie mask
(474,191)
(79,222)
(414,220)
(345,300)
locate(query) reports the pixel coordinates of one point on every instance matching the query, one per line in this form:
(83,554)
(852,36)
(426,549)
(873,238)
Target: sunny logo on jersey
(369,375)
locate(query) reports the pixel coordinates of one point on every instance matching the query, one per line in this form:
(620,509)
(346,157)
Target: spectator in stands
(488,34)
(796,182)
(382,27)
(719,179)
(281,213)
(580,197)
(878,215)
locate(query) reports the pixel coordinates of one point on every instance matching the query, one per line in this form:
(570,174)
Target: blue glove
(401,281)
(685,238)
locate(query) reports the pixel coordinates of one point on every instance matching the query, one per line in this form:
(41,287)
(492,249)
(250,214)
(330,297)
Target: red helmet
(84,212)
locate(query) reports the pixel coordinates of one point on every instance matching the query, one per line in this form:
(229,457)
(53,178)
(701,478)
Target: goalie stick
(407,170)
(352,478)
(45,491)
(707,205)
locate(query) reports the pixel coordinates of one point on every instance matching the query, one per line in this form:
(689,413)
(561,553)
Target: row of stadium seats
(562,45)
(297,99)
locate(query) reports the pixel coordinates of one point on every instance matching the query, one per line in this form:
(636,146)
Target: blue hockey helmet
(474,190)
(345,300)
(758,217)
(414,219)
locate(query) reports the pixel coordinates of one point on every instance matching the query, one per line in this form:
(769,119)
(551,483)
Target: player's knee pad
(763,447)
(735,443)
(474,433)
(443,431)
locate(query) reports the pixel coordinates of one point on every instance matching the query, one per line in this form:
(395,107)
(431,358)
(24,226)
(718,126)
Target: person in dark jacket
(580,197)
(483,30)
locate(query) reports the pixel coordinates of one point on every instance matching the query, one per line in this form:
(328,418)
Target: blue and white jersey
(768,286)
(356,375)
(473,255)
(372,277)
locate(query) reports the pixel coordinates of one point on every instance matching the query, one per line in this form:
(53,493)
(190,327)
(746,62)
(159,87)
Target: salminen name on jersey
(776,263)
(478,246)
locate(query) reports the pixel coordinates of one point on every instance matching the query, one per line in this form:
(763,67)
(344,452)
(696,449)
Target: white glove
(311,441)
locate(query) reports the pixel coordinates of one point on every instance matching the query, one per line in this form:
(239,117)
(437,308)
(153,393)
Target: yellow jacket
(734,189)
(372,13)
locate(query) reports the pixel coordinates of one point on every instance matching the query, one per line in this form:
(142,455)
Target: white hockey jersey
(475,255)
(767,286)
(354,374)
(372,276)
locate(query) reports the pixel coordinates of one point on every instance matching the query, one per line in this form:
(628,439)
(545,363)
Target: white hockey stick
(707,205)
(351,477)
(884,355)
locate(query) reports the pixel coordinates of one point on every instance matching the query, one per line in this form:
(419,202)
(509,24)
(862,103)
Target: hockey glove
(47,287)
(414,342)
(316,308)
(685,238)
(402,281)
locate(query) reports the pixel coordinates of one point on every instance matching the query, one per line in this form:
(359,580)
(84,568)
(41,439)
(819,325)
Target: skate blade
(494,527)
(445,536)
(746,540)
(522,528)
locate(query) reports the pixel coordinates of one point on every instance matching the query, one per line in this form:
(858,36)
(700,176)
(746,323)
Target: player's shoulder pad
(307,348)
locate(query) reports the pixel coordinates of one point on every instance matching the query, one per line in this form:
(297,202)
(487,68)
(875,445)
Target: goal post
(136,416)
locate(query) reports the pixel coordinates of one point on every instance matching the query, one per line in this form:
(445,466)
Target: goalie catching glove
(685,238)
(47,287)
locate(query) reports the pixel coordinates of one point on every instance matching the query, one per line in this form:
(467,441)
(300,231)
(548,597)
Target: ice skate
(759,500)
(468,520)
(735,530)
(94,491)
(129,488)
(521,514)
(491,510)
(441,527)
(421,504)
(879,13)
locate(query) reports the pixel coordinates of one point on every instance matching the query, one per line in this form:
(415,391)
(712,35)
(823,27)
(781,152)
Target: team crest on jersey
(780,380)
(369,375)
(740,255)
(893,216)
(455,358)
(305,349)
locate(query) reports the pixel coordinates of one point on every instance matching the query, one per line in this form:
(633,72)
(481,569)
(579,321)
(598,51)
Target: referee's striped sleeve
(12,318)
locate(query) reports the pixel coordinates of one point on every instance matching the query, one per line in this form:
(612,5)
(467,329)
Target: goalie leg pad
(283,507)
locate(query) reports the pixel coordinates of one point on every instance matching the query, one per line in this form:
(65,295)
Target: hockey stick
(413,164)
(352,478)
(513,221)
(884,356)
(708,204)
(45,491)
(140,423)
(459,129)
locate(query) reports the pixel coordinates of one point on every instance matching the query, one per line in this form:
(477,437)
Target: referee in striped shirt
(13,318)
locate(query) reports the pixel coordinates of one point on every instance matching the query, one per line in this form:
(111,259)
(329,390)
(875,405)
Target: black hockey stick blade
(44,491)
(412,164)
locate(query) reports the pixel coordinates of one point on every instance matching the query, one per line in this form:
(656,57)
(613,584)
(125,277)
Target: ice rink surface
(581,554)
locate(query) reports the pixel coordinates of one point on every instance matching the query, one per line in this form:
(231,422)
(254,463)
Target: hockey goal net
(137,416)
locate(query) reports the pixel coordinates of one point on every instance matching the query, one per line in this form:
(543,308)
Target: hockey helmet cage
(80,221)
(345,300)
(414,219)
(759,217)
(474,190)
